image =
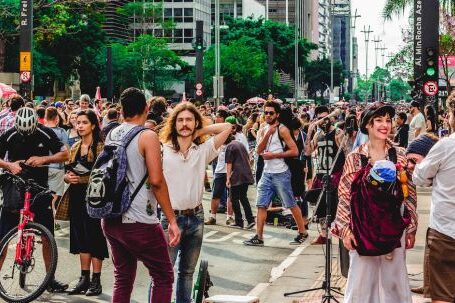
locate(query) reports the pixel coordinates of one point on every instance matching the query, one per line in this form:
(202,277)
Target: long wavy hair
(169,131)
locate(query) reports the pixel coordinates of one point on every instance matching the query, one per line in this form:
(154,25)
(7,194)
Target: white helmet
(26,121)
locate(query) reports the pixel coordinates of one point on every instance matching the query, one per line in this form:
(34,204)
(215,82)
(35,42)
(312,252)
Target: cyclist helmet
(25,121)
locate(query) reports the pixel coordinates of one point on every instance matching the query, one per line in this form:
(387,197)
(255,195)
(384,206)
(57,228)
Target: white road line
(280,269)
(258,289)
(225,238)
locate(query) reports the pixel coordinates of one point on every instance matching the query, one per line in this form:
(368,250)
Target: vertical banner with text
(426,51)
(25,55)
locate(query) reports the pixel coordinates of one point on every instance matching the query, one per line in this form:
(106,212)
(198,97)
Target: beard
(272,121)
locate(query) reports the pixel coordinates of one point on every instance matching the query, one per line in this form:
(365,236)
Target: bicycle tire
(52,266)
(22,277)
(201,281)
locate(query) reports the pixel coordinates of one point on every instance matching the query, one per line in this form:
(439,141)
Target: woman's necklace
(373,157)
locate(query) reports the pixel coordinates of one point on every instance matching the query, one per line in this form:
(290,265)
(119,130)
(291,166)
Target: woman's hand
(71,178)
(410,240)
(349,241)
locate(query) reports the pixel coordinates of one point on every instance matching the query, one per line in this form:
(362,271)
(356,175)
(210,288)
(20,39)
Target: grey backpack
(108,194)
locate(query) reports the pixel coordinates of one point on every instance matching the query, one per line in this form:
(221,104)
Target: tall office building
(115,24)
(324,28)
(342,33)
(239,9)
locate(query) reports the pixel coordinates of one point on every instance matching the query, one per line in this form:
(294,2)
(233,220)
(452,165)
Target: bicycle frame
(26,215)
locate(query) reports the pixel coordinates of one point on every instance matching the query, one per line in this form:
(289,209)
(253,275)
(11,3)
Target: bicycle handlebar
(27,184)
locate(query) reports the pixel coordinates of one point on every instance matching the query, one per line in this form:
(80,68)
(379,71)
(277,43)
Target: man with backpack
(276,178)
(136,235)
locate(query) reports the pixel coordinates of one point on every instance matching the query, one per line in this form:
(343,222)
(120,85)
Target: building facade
(115,24)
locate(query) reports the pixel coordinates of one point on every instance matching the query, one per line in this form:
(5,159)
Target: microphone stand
(326,284)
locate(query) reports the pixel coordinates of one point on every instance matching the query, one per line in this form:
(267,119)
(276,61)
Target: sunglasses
(269,113)
(412,161)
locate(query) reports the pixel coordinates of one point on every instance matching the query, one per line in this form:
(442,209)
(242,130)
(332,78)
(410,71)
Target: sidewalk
(304,269)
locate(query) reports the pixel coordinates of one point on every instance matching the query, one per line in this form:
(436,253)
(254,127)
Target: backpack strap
(392,153)
(363,160)
(126,141)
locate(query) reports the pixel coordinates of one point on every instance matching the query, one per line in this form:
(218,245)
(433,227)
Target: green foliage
(147,11)
(261,32)
(398,90)
(317,74)
(148,59)
(243,66)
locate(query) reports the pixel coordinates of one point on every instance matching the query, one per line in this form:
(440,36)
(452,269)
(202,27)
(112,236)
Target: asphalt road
(235,269)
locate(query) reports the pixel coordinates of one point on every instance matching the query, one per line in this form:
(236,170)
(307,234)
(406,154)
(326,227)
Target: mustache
(185,128)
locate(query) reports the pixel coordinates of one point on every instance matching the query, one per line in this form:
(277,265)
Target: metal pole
(367,40)
(331,49)
(376,48)
(296,52)
(353,71)
(266,10)
(217,53)
(26,46)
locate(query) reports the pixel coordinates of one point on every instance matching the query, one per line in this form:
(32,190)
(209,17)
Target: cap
(231,119)
(421,145)
(375,109)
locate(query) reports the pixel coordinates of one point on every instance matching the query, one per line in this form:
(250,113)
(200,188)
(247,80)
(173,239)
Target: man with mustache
(186,154)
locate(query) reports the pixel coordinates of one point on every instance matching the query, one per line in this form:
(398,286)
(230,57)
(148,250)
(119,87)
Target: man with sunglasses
(276,177)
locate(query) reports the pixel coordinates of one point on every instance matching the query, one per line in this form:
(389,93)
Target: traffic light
(199,43)
(431,61)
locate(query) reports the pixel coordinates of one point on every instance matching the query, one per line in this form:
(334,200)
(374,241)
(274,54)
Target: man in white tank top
(137,235)
(276,177)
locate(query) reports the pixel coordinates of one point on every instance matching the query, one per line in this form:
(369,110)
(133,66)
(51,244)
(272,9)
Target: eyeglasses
(269,113)
(70,104)
(412,161)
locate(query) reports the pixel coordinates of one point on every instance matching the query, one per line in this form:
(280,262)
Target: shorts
(279,184)
(55,180)
(439,267)
(219,185)
(10,219)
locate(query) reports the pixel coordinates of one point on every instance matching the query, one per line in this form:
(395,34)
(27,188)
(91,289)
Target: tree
(147,63)
(317,74)
(262,32)
(243,65)
(398,90)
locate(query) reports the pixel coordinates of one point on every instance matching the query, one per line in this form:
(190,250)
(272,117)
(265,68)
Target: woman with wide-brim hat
(377,272)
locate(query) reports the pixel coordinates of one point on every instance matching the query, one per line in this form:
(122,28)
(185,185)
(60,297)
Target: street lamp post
(353,67)
(296,50)
(376,48)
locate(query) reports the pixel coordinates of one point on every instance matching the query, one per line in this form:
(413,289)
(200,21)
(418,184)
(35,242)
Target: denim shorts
(279,184)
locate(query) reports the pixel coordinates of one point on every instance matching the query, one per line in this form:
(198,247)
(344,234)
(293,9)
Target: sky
(388,31)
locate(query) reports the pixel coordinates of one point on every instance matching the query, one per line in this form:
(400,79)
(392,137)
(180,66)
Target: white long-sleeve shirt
(438,169)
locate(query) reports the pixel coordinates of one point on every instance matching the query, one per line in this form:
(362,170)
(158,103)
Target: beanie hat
(421,145)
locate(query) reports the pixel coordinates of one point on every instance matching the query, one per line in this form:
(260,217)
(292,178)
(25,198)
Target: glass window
(188,32)
(178,13)
(168,33)
(167,13)
(158,33)
(188,12)
(178,33)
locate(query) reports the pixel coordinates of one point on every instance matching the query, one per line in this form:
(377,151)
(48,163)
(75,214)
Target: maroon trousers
(133,242)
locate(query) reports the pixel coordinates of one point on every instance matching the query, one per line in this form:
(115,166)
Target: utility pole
(383,49)
(353,41)
(367,40)
(376,48)
(26,46)
(331,6)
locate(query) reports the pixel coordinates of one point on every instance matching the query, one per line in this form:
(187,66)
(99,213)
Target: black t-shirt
(402,136)
(241,170)
(15,147)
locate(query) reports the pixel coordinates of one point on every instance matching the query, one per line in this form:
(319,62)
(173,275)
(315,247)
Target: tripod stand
(326,284)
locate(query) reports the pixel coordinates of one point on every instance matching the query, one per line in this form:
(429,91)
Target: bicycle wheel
(201,282)
(23,283)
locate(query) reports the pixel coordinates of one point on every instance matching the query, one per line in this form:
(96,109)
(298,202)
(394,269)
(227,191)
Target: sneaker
(319,240)
(210,221)
(207,188)
(56,287)
(250,225)
(254,241)
(299,239)
(235,225)
(230,221)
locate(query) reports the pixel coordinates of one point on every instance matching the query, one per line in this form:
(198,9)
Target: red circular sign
(198,86)
(430,88)
(198,92)
(25,76)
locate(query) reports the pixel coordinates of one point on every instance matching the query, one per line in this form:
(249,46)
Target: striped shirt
(7,122)
(351,167)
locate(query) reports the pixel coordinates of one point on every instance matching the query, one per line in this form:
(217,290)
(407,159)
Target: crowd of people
(374,155)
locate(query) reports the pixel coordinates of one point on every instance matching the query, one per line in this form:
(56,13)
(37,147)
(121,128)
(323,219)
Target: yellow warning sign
(25,62)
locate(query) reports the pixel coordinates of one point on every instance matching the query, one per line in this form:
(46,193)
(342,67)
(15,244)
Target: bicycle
(203,283)
(22,244)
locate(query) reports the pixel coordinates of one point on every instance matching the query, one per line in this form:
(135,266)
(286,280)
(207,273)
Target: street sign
(430,88)
(198,92)
(198,86)
(25,64)
(25,76)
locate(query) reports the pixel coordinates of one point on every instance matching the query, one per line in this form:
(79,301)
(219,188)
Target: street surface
(235,269)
